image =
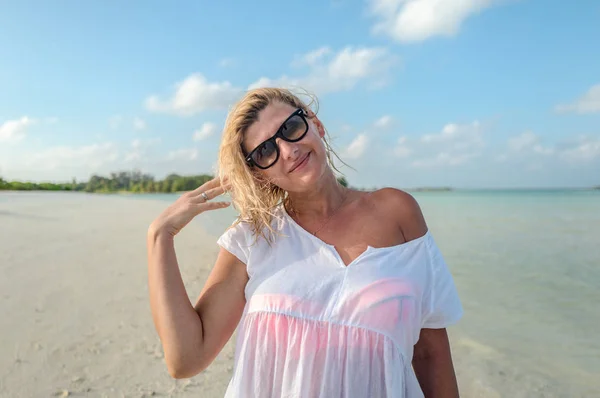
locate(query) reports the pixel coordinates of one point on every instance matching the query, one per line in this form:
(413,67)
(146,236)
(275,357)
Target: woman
(335,292)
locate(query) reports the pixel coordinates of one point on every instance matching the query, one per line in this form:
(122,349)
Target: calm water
(527,266)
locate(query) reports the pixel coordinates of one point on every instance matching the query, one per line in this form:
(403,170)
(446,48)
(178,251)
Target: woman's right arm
(191,336)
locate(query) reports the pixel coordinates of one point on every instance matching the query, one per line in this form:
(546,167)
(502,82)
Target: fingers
(215,182)
(211,194)
(212,205)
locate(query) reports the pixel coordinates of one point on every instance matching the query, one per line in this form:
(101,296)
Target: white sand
(75,310)
(75,316)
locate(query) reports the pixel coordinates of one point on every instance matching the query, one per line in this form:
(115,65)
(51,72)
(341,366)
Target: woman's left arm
(432,362)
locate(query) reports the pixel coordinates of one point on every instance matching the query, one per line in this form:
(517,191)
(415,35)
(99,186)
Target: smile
(302,163)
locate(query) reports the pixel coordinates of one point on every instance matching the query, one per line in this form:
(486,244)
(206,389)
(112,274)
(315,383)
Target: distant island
(118,182)
(431,189)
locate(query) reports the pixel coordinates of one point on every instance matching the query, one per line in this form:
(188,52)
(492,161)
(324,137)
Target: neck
(321,201)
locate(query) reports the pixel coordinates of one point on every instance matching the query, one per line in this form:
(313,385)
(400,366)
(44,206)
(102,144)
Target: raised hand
(189,205)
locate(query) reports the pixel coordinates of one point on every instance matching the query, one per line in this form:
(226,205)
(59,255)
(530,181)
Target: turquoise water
(527,266)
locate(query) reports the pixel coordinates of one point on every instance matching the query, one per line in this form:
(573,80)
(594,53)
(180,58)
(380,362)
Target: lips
(300,163)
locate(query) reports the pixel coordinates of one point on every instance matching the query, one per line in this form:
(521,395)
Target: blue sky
(476,93)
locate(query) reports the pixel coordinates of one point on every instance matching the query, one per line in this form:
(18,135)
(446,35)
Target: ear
(318,125)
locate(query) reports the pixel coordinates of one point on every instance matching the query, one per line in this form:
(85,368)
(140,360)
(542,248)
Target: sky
(414,93)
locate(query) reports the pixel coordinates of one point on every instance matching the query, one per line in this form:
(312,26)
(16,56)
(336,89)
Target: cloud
(139,124)
(60,163)
(527,147)
(74,157)
(138,149)
(226,62)
(357,147)
(204,132)
(587,103)
(384,122)
(15,130)
(417,20)
(401,150)
(458,136)
(583,149)
(183,154)
(337,72)
(114,122)
(444,159)
(311,58)
(193,95)
(454,145)
(528,142)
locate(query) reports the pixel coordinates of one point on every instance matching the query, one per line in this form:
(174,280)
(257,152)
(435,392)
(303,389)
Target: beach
(77,322)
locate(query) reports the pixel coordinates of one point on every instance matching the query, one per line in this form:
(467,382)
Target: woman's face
(300,164)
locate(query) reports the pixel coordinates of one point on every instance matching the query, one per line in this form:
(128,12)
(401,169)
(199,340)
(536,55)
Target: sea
(526,264)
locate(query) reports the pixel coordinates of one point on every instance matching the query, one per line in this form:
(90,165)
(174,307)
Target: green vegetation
(123,181)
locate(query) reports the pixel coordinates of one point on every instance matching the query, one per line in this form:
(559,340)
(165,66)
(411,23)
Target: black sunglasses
(293,129)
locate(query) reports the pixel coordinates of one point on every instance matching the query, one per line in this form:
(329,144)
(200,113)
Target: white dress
(314,327)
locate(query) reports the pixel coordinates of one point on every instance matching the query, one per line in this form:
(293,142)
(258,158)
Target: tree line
(121,181)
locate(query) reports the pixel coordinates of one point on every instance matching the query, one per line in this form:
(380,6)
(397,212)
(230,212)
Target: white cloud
(193,95)
(342,71)
(357,147)
(114,122)
(61,163)
(139,124)
(226,62)
(84,157)
(204,132)
(401,150)
(417,20)
(526,143)
(444,159)
(384,122)
(139,148)
(523,141)
(183,154)
(584,149)
(527,147)
(587,103)
(15,130)
(311,58)
(458,136)
(454,145)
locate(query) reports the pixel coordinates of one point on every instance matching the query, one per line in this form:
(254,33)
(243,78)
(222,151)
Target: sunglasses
(293,129)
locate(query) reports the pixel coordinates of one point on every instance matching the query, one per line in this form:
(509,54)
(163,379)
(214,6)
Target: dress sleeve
(236,241)
(441,304)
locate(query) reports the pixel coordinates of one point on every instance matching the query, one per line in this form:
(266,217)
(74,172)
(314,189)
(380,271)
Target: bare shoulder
(402,208)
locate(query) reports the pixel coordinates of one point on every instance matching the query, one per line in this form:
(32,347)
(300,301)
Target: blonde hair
(252,198)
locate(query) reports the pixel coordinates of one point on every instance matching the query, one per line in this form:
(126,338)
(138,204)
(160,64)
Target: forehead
(269,120)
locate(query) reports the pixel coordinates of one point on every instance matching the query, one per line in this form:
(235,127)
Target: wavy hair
(254,198)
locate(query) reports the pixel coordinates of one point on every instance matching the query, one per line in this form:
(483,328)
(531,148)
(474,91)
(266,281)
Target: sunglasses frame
(279,134)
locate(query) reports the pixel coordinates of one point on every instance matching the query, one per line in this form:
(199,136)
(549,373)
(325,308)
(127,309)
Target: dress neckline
(333,250)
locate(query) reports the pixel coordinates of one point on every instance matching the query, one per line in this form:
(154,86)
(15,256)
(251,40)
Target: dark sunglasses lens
(294,128)
(265,154)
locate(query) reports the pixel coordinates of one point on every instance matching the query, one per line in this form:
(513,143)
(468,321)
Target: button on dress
(314,327)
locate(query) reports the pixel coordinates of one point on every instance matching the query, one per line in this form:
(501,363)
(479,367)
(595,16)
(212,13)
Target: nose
(288,150)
